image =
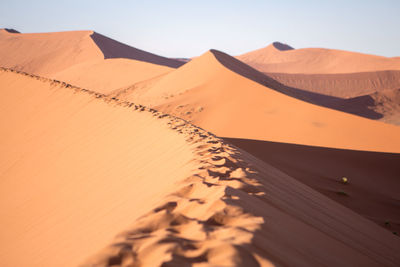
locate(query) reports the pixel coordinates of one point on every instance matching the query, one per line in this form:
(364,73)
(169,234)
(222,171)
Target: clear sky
(188,28)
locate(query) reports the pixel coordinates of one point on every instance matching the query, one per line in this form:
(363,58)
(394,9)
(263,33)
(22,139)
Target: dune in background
(360,84)
(315,60)
(224,96)
(83,58)
(373,95)
(185,198)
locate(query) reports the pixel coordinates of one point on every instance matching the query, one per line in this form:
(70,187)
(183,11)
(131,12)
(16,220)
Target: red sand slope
(204,202)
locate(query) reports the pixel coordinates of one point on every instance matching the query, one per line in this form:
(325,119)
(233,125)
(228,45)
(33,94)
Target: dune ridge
(231,99)
(232,209)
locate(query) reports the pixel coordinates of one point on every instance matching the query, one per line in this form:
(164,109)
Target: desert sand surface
(79,168)
(82,58)
(225,96)
(281,58)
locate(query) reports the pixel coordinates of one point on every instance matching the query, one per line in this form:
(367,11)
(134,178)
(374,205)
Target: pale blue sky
(188,28)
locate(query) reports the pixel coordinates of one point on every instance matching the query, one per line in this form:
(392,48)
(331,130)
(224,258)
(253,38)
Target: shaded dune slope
(231,99)
(221,206)
(114,49)
(373,177)
(316,60)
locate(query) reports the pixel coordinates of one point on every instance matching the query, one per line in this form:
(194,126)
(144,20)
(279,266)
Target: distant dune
(82,58)
(78,167)
(274,58)
(224,96)
(351,82)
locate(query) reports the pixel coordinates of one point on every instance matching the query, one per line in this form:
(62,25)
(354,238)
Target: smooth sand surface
(82,58)
(210,92)
(316,60)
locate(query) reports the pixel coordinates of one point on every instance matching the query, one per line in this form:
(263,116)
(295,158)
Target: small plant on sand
(395,233)
(387,223)
(341,193)
(344,180)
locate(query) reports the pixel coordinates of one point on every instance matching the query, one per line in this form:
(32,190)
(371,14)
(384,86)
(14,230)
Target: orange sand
(78,167)
(89,178)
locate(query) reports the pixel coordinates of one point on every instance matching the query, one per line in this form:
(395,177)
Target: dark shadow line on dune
(11,30)
(282,47)
(357,106)
(114,49)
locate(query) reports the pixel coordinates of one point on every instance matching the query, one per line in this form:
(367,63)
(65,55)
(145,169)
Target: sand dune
(78,167)
(357,83)
(82,58)
(315,60)
(228,98)
(224,96)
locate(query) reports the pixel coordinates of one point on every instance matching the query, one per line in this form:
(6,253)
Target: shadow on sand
(114,49)
(373,176)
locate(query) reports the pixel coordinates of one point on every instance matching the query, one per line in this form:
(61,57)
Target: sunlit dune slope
(82,58)
(75,170)
(315,60)
(105,76)
(224,96)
